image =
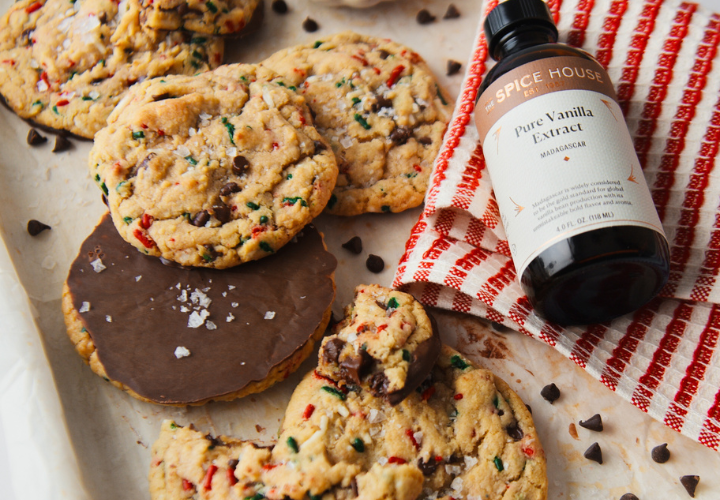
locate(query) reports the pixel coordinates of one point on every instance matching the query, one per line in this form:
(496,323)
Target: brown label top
(537,78)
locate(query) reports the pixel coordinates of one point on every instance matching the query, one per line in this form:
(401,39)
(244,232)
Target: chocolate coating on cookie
(263,313)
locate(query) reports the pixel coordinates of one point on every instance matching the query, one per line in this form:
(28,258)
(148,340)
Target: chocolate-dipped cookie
(386,343)
(178,336)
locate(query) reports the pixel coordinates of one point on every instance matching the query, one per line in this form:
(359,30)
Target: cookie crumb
(453,67)
(98,265)
(279,7)
(550,393)
(594,423)
(452,12)
(594,453)
(424,17)
(375,264)
(310,25)
(181,352)
(660,454)
(35,227)
(353,245)
(62,143)
(269,314)
(34,138)
(690,483)
(84,307)
(230,318)
(108,318)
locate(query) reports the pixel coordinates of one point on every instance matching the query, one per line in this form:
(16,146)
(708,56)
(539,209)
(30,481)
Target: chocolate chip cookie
(386,343)
(213,170)
(382,111)
(209,17)
(65,65)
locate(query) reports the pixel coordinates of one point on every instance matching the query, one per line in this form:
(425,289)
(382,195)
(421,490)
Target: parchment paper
(66,434)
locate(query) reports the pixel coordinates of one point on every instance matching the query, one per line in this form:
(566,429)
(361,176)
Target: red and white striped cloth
(664,358)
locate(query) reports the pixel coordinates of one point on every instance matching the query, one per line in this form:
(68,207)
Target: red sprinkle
(418,168)
(409,433)
(161,133)
(438,458)
(302,119)
(217,57)
(361,328)
(396,460)
(257,230)
(231,476)
(457,397)
(187,485)
(32,8)
(380,328)
(377,70)
(309,409)
(323,377)
(207,482)
(9,61)
(44,77)
(146,221)
(145,240)
(427,393)
(62,102)
(142,125)
(268,466)
(275,145)
(528,451)
(361,59)
(395,74)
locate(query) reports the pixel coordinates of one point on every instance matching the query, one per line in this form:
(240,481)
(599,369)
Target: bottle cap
(512,15)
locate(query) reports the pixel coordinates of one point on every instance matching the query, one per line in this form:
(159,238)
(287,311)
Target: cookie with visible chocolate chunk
(208,17)
(65,65)
(382,110)
(386,343)
(213,170)
(186,336)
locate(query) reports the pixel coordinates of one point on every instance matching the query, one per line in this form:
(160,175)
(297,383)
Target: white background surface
(111,432)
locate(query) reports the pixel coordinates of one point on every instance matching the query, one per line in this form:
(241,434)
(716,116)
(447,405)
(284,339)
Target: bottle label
(559,155)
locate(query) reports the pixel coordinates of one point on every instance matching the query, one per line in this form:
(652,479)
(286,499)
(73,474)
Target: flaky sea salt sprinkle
(85,307)
(182,352)
(98,265)
(269,314)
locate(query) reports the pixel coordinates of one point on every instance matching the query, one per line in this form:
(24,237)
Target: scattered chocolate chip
(660,454)
(354,368)
(593,423)
(452,12)
(453,67)
(375,264)
(353,245)
(319,146)
(183,9)
(34,138)
(690,483)
(381,305)
(429,467)
(279,7)
(498,327)
(425,141)
(240,164)
(594,453)
(35,227)
(201,218)
(213,441)
(424,17)
(383,54)
(400,135)
(515,432)
(62,143)
(379,384)
(232,463)
(310,25)
(331,350)
(550,392)
(229,188)
(383,102)
(629,496)
(222,212)
(455,459)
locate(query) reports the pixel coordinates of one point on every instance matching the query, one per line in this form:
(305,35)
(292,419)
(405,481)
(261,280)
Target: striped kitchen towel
(664,358)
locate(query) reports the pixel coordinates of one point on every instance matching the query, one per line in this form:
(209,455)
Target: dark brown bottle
(601,252)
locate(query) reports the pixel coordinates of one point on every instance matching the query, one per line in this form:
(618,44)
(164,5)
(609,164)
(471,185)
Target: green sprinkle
(38,103)
(191,160)
(411,175)
(361,121)
(252,206)
(393,303)
(292,444)
(127,220)
(294,200)
(196,54)
(230,128)
(138,135)
(351,85)
(54,108)
(454,413)
(358,444)
(97,176)
(332,201)
(173,426)
(458,362)
(317,44)
(385,208)
(442,99)
(198,40)
(83,330)
(281,84)
(406,355)
(355,100)
(211,7)
(104,188)
(186,215)
(256,496)
(248,127)
(243,78)
(314,497)
(289,176)
(496,401)
(207,257)
(266,246)
(86,98)
(498,464)
(340,83)
(194,64)
(263,219)
(72,74)
(292,87)
(334,392)
(102,61)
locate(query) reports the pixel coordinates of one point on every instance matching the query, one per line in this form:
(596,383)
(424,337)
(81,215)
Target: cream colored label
(561,164)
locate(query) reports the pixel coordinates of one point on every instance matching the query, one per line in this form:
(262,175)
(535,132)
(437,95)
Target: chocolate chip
(455,459)
(35,227)
(500,413)
(310,25)
(222,213)
(594,453)
(629,496)
(232,463)
(214,441)
(62,143)
(97,81)
(375,264)
(279,7)
(383,54)
(201,218)
(515,432)
(453,67)
(381,305)
(240,164)
(452,12)
(429,467)
(229,188)
(105,200)
(660,454)
(424,17)
(353,245)
(593,423)
(319,146)
(34,138)
(425,141)
(400,135)
(379,384)
(331,350)
(354,368)
(529,408)
(550,392)
(383,102)
(102,17)
(26,37)
(183,9)
(210,253)
(690,483)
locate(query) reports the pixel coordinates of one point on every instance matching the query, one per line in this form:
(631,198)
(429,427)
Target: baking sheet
(68,434)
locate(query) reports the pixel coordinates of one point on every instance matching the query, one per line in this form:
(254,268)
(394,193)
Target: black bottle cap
(517,15)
